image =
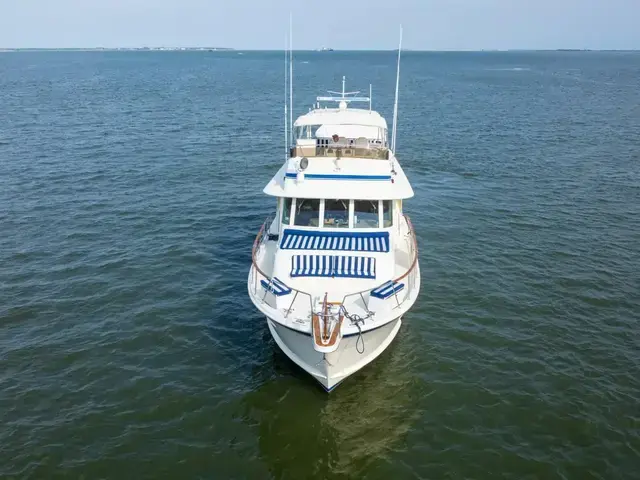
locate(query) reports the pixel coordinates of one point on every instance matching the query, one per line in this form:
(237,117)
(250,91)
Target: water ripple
(129,202)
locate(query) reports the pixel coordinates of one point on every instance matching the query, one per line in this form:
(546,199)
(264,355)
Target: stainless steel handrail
(410,270)
(260,238)
(256,245)
(340,151)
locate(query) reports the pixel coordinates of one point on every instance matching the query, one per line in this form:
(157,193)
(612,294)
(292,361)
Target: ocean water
(130,194)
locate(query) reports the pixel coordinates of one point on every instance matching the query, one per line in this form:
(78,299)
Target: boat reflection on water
(303,433)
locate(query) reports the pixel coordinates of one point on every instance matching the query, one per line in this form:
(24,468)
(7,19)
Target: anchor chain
(357,320)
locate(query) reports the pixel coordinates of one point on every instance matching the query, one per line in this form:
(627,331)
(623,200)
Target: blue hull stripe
(322,176)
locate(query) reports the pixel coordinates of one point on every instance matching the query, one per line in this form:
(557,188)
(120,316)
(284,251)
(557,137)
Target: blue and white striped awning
(333,266)
(345,241)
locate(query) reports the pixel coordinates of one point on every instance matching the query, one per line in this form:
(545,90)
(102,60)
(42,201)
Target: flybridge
(341,132)
(343,101)
(345,97)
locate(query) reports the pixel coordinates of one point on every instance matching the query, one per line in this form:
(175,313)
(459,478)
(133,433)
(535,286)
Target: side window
(336,213)
(365,214)
(286,211)
(307,212)
(387,213)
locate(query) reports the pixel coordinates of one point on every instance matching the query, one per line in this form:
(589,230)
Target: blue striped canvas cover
(334,240)
(276,286)
(387,289)
(333,266)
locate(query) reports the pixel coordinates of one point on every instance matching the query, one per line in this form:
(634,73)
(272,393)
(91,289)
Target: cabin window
(306,131)
(387,213)
(365,214)
(336,213)
(307,212)
(286,210)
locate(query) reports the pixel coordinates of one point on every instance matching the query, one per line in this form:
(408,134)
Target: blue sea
(131,192)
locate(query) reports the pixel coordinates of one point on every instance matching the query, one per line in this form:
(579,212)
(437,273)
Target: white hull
(332,368)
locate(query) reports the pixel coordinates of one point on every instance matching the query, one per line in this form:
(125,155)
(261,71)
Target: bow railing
(410,275)
(257,274)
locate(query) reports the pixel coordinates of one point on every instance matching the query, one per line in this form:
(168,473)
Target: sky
(339,24)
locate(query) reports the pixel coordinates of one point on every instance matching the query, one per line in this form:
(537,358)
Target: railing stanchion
(291,305)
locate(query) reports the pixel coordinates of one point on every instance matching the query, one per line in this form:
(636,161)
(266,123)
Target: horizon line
(210,48)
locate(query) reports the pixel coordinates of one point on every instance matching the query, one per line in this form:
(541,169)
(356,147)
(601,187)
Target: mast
(395,105)
(291,72)
(286,118)
(370,96)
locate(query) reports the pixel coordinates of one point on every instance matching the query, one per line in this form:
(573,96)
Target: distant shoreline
(228,49)
(121,49)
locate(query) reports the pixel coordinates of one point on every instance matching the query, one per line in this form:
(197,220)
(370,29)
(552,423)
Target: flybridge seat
(345,241)
(333,266)
(276,287)
(387,289)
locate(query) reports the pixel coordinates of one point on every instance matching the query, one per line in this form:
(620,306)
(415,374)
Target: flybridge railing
(410,276)
(340,151)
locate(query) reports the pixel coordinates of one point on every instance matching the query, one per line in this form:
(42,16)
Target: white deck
(294,311)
